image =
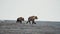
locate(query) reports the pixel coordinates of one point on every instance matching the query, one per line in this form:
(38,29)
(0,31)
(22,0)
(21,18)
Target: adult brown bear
(20,19)
(32,19)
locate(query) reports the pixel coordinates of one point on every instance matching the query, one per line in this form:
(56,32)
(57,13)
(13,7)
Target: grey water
(41,27)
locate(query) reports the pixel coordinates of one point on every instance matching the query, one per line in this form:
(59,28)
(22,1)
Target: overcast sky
(44,9)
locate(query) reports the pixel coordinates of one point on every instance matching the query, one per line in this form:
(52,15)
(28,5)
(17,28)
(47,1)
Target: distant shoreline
(35,20)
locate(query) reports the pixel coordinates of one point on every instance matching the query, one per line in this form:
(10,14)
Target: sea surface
(41,27)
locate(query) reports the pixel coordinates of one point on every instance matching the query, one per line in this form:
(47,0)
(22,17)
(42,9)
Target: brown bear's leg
(33,22)
(21,22)
(27,22)
(17,21)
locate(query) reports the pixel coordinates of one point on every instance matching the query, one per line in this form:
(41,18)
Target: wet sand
(9,27)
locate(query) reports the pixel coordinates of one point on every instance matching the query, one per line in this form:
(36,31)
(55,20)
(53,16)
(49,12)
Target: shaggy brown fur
(20,19)
(32,19)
